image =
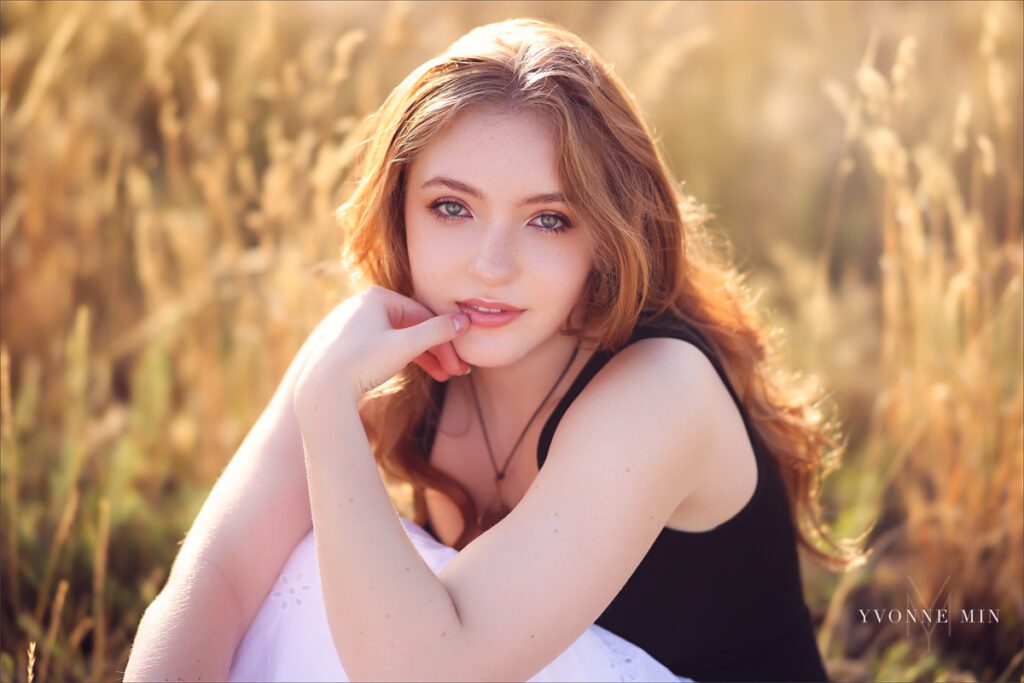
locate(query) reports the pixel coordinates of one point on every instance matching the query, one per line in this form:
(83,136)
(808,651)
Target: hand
(370,337)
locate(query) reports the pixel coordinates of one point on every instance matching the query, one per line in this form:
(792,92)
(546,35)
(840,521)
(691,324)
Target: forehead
(505,153)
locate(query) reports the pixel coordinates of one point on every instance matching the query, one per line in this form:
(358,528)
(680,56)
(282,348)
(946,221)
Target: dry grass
(168,173)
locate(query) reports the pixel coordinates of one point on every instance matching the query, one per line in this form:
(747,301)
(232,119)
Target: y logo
(932,617)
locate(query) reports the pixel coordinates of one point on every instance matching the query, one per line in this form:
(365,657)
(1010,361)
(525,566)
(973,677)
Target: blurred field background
(168,173)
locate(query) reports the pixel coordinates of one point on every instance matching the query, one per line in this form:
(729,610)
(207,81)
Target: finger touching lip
(489,320)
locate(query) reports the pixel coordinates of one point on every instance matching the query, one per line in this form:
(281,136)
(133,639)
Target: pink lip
(480,319)
(491,303)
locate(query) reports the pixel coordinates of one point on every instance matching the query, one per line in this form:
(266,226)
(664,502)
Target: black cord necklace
(489,516)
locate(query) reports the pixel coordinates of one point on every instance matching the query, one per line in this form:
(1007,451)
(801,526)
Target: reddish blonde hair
(653,253)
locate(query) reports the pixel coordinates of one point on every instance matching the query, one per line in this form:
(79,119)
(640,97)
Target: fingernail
(461,321)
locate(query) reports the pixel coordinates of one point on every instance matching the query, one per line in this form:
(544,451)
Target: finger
(422,327)
(434,332)
(404,312)
(432,367)
(449,359)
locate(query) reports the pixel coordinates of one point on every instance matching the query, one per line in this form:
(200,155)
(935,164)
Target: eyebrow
(459,186)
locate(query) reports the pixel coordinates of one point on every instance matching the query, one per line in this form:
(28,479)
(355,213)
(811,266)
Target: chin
(488,350)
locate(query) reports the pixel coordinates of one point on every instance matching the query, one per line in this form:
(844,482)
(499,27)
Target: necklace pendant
(491,516)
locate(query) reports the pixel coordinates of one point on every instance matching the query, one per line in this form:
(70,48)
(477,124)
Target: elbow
(388,672)
(428,646)
(144,659)
(184,635)
(432,666)
(420,661)
(366,666)
(358,671)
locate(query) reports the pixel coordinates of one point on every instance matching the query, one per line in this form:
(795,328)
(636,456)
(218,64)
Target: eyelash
(434,209)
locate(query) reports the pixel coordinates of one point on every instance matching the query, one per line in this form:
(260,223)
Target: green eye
(447,210)
(553,222)
(451,210)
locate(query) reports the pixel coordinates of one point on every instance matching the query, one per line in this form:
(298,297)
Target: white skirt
(289,639)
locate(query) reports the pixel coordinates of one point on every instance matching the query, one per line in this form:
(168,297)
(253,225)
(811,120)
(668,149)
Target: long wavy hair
(653,253)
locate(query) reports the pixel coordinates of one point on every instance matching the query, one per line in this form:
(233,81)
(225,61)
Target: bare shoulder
(659,371)
(662,387)
(668,386)
(665,357)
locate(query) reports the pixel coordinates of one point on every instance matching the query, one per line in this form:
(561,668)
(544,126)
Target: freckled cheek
(432,258)
(441,253)
(559,273)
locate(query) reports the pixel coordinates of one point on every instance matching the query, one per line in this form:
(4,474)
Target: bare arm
(187,633)
(256,514)
(625,455)
(221,576)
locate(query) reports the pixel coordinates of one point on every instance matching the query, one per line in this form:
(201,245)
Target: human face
(491,235)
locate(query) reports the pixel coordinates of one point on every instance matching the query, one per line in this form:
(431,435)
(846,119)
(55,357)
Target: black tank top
(724,604)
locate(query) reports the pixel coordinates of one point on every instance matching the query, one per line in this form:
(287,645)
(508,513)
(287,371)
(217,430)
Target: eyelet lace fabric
(289,638)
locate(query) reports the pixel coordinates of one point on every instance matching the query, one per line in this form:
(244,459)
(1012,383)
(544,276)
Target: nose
(495,260)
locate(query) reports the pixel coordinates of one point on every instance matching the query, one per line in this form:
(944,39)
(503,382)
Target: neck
(511,394)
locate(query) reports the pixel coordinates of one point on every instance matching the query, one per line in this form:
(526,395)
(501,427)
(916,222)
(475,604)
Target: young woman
(611,476)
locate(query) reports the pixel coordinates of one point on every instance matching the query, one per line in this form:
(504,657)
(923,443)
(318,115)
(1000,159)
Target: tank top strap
(671,326)
(664,325)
